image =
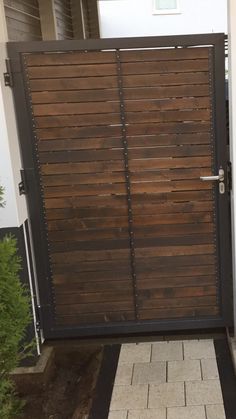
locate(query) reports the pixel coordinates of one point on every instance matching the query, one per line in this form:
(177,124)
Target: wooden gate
(115,137)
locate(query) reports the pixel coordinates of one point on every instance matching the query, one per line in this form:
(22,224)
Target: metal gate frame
(35,205)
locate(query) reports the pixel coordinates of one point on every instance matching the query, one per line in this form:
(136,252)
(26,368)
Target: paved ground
(167,380)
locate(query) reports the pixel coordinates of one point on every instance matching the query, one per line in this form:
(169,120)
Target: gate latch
(220,178)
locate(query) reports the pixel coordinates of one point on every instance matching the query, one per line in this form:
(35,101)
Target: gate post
(232,120)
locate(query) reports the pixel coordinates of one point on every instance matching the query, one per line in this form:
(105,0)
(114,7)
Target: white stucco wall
(121,18)
(14,213)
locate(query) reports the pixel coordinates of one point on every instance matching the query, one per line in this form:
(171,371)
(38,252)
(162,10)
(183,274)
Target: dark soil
(69,393)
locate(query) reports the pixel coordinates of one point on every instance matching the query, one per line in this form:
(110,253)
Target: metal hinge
(23,184)
(8,77)
(229,175)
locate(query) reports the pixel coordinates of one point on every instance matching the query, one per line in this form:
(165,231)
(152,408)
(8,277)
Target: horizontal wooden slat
(124,243)
(77,121)
(95,307)
(164,54)
(170,128)
(56,109)
(118,177)
(193,311)
(139,141)
(93,267)
(178,302)
(114,131)
(117,154)
(146,265)
(93,96)
(114,118)
(160,283)
(79,132)
(47,72)
(83,57)
(121,201)
(179,292)
(71,224)
(94,297)
(95,318)
(118,165)
(111,81)
(83,235)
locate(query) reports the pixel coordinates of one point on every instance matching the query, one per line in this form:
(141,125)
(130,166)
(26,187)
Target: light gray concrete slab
(167,351)
(146,373)
(129,397)
(166,395)
(187,370)
(203,392)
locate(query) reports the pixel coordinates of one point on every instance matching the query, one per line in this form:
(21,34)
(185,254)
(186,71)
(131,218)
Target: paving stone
(167,351)
(119,414)
(209,369)
(145,373)
(124,374)
(166,395)
(187,412)
(147,414)
(199,349)
(215,411)
(129,397)
(187,370)
(132,352)
(203,392)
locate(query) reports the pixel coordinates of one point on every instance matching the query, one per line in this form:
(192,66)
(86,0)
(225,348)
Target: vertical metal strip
(52,306)
(215,168)
(127,181)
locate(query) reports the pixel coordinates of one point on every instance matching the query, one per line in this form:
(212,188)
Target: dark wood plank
(81,132)
(93,318)
(170,66)
(90,97)
(95,307)
(157,283)
(78,121)
(179,302)
(60,71)
(93,297)
(71,224)
(85,190)
(187,312)
(109,82)
(165,54)
(83,57)
(170,128)
(85,96)
(91,167)
(179,292)
(158,104)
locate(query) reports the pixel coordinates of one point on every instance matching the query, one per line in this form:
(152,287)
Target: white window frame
(156,11)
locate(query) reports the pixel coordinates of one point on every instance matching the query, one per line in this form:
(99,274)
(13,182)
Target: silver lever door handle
(219,177)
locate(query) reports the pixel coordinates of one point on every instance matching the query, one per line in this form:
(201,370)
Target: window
(166,7)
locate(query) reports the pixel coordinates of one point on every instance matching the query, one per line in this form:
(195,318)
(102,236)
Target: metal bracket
(8,78)
(38,318)
(23,184)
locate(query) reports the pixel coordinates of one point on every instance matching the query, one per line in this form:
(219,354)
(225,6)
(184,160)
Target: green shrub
(14,318)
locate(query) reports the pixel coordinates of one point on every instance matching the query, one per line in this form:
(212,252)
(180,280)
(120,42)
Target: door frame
(35,204)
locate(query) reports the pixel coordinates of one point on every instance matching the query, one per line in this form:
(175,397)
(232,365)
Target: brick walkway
(167,380)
